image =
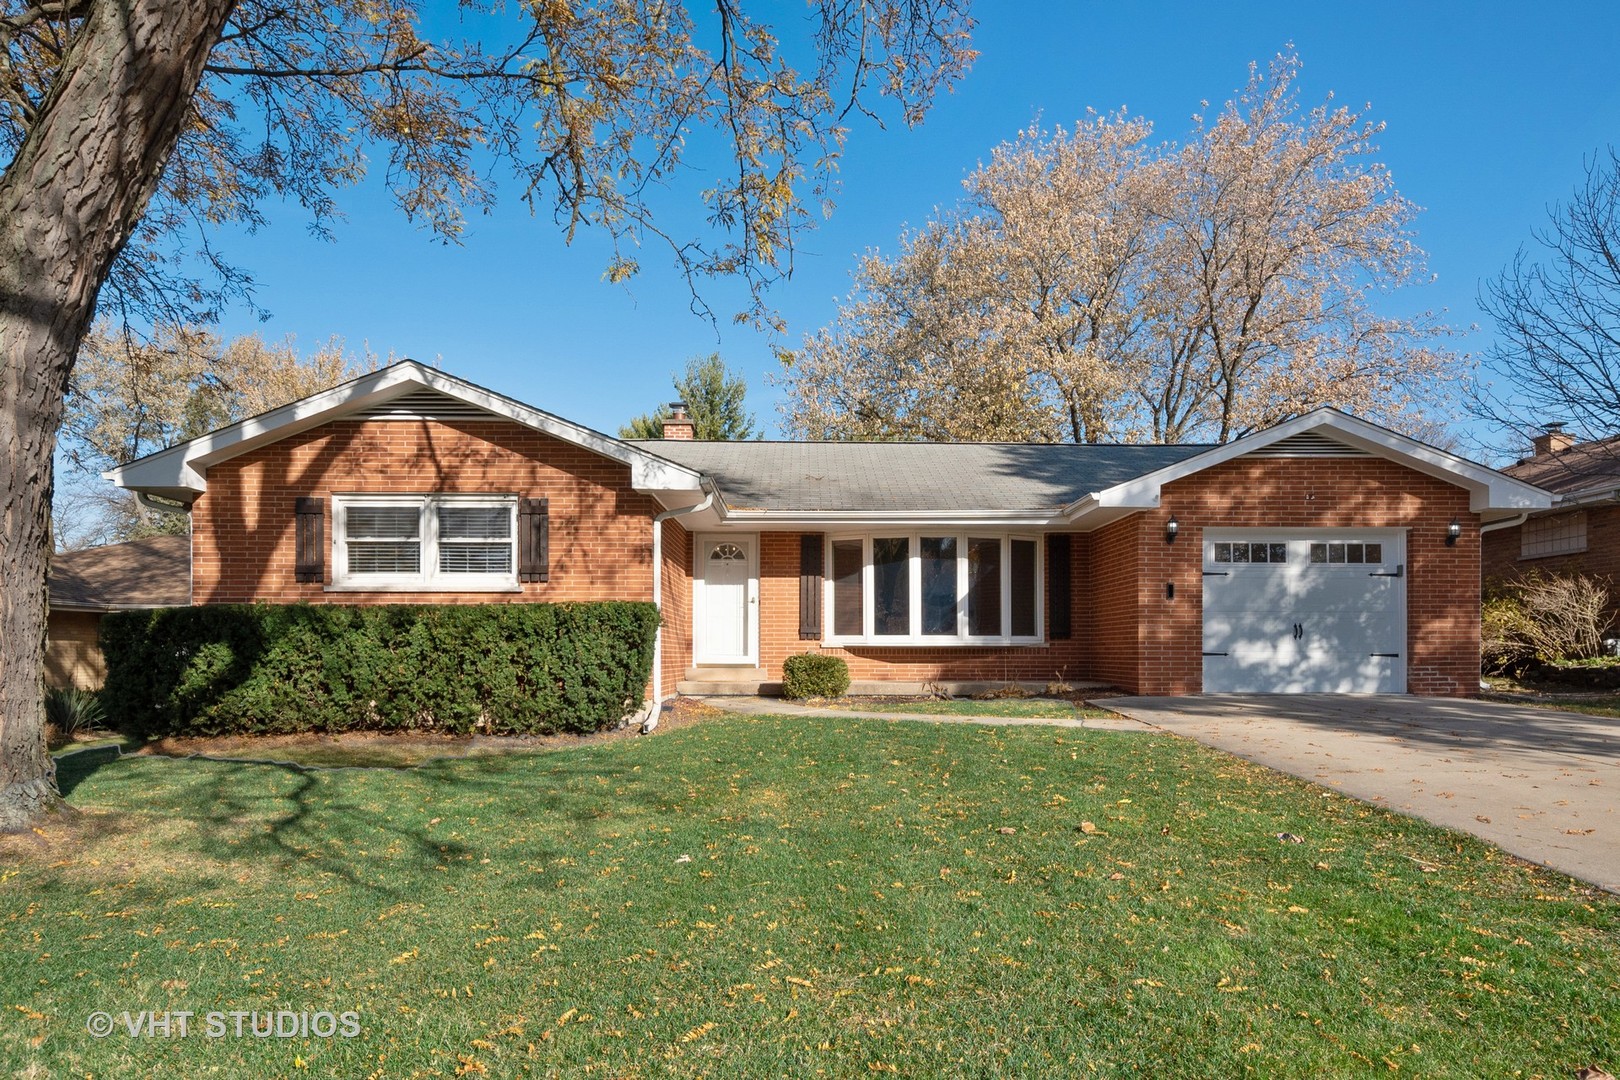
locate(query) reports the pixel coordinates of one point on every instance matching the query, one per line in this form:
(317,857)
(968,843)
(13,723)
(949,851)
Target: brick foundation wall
(243,544)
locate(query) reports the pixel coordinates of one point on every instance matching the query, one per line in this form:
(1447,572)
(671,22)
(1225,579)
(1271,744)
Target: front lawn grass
(1032,708)
(794,896)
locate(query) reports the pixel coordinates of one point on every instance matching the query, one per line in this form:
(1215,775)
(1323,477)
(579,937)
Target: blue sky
(1490,106)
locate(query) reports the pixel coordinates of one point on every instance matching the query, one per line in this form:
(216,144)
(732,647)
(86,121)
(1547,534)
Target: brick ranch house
(1326,554)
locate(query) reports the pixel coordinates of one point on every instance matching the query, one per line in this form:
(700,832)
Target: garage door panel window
(934,588)
(1349,554)
(1250,553)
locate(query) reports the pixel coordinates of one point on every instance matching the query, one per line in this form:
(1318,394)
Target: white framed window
(1557,534)
(424,542)
(934,587)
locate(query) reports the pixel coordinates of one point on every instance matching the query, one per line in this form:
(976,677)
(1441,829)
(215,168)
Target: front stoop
(727,681)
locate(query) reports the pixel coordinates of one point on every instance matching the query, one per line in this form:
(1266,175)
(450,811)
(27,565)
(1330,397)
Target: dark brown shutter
(1059,570)
(534,540)
(811,553)
(309,557)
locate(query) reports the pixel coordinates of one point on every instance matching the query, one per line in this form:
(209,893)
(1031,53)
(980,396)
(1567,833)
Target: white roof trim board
(921,493)
(180,472)
(1490,492)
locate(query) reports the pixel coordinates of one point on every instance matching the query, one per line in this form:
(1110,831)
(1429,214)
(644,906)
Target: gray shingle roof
(1580,468)
(878,477)
(155,572)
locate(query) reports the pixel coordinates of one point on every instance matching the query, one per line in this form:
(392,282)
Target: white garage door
(1304,613)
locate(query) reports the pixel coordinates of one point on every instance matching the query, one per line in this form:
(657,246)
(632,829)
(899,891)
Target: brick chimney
(1554,440)
(678,425)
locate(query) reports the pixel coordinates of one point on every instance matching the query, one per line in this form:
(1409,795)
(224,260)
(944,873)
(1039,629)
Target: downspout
(145,499)
(658,583)
(1505,523)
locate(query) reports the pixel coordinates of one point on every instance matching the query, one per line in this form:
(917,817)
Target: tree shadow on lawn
(373,828)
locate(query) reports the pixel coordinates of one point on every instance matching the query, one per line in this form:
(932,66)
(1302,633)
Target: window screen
(475,539)
(384,539)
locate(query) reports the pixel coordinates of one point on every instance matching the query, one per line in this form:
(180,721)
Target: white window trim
(916,638)
(430,579)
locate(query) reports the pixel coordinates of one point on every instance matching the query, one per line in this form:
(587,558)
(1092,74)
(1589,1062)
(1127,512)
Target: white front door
(1300,612)
(725,602)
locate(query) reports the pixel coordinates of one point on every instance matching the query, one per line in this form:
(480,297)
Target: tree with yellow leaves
(1092,286)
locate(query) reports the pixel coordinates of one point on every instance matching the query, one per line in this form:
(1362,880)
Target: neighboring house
(1580,533)
(85,585)
(1324,554)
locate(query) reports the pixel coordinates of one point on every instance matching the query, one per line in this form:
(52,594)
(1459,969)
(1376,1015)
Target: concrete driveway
(1540,784)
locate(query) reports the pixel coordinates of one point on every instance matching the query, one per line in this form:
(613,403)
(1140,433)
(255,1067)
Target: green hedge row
(263,668)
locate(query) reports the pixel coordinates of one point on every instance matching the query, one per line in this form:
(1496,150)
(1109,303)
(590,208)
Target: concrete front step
(727,681)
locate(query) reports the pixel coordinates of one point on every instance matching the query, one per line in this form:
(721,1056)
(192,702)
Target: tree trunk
(68,203)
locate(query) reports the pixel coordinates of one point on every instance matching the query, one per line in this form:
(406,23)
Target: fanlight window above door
(726,553)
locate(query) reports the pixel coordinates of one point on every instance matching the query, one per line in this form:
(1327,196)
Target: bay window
(933,588)
(424,542)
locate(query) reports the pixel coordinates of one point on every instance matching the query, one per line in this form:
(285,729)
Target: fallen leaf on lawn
(1290,838)
(1006,830)
(684,859)
(698,1032)
(1594,1072)
(796,981)
(1089,828)
(1116,876)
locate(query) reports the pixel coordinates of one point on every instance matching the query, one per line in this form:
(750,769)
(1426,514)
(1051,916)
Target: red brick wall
(677,605)
(1113,606)
(243,547)
(1600,559)
(1442,583)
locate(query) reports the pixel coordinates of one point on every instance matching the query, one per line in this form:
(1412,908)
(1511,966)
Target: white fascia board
(847,519)
(1590,497)
(183,467)
(1488,489)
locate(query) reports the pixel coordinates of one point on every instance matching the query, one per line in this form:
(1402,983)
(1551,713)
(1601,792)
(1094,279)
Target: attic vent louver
(1307,444)
(424,405)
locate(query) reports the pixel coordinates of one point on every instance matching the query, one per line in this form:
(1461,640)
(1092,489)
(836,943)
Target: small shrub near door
(809,675)
(230,669)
